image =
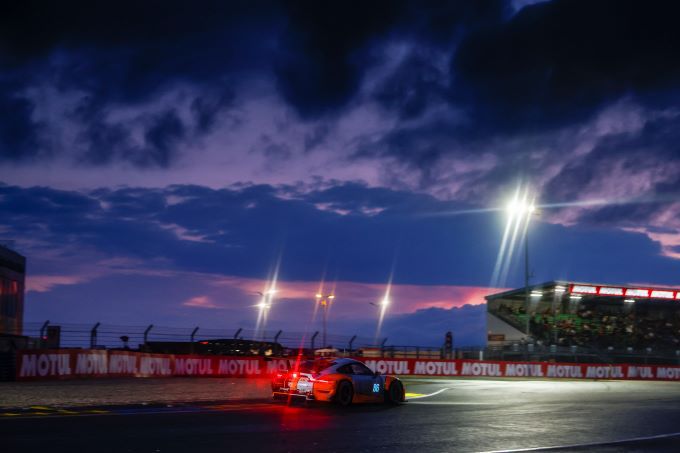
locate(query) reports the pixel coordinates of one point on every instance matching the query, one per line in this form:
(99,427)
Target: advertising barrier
(84,363)
(80,363)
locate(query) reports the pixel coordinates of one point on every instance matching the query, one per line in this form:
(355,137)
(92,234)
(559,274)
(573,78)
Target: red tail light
(294,375)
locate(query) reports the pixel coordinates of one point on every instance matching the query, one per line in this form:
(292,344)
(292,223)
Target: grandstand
(588,315)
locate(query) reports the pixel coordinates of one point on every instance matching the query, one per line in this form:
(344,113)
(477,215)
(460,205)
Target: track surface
(465,415)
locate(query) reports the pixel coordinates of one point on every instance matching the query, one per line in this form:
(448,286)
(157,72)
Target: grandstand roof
(590,290)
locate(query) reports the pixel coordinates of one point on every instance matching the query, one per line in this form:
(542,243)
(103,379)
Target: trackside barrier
(84,363)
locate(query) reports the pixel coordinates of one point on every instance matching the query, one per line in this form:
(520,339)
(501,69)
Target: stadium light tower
(266,298)
(324,300)
(264,305)
(382,306)
(522,210)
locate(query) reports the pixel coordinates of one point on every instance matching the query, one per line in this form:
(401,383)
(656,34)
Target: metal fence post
(276,337)
(146,334)
(93,336)
(382,347)
(42,333)
(193,335)
(312,340)
(351,341)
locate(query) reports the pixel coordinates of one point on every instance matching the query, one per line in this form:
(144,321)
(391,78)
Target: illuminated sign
(658,294)
(627,292)
(584,289)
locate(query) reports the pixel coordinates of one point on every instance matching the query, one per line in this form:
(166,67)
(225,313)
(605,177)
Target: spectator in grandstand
(607,326)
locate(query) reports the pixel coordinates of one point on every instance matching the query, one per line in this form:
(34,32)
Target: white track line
(452,403)
(428,395)
(587,445)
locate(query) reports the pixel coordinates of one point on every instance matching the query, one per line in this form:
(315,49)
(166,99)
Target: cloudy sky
(161,160)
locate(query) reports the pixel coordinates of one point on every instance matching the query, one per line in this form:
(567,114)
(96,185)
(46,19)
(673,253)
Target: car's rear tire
(395,394)
(344,393)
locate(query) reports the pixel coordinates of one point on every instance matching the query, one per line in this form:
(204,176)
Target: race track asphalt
(441,415)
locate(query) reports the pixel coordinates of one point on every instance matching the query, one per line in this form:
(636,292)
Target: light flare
(265,304)
(520,210)
(382,306)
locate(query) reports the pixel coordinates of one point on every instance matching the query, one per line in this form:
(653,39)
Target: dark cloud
(19,132)
(558,62)
(206,108)
(550,65)
(272,149)
(43,203)
(106,141)
(161,137)
(150,42)
(413,86)
(316,137)
(625,161)
(327,46)
(126,53)
(428,326)
(321,65)
(241,232)
(420,145)
(130,202)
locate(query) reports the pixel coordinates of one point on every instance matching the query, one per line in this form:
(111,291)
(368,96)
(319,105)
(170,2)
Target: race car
(342,381)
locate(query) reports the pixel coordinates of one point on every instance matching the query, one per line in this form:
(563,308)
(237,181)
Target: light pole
(264,306)
(324,301)
(527,300)
(520,209)
(382,305)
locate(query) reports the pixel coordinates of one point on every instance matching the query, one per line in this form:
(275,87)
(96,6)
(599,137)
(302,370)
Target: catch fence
(108,336)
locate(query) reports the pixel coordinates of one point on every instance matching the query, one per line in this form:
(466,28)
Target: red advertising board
(69,364)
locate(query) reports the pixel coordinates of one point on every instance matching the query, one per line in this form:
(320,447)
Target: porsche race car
(342,381)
